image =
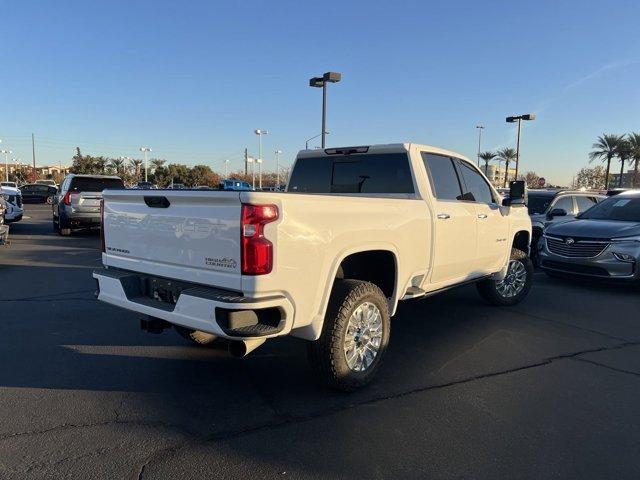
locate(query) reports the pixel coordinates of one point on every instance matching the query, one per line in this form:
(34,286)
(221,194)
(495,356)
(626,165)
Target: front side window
(475,188)
(443,176)
(354,173)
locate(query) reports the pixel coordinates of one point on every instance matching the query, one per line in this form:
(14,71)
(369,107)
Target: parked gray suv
(602,242)
(547,207)
(77,204)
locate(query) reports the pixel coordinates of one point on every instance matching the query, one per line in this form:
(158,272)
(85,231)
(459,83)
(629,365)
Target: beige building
(495,173)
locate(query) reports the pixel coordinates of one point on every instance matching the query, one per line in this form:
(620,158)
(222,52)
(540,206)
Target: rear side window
(475,188)
(368,173)
(443,177)
(585,203)
(565,203)
(88,184)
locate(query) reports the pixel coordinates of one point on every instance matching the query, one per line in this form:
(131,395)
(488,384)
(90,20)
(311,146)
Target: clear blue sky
(194,79)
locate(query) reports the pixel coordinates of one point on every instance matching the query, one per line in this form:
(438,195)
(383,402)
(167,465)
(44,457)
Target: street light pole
(260,133)
(6,163)
(226,166)
(259,162)
(253,173)
(278,152)
(480,128)
(321,82)
(514,119)
(145,150)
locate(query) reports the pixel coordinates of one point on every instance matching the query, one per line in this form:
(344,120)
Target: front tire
(354,336)
(516,284)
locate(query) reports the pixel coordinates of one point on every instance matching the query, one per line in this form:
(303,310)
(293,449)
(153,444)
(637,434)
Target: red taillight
(104,249)
(67,198)
(257,251)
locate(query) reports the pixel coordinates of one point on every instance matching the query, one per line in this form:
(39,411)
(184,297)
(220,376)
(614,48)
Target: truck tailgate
(188,235)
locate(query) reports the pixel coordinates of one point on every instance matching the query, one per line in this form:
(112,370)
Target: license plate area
(161,290)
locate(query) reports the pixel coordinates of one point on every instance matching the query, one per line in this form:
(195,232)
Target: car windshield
(538,203)
(626,209)
(88,184)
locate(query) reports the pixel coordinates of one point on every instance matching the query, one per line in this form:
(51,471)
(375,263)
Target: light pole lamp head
(145,149)
(332,77)
(278,152)
(260,132)
(317,82)
(479,126)
(526,116)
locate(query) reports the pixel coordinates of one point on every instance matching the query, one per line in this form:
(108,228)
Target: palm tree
(634,154)
(605,149)
(507,155)
(116,164)
(487,157)
(623,152)
(157,163)
(135,164)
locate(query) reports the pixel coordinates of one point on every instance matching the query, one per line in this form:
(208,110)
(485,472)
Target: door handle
(482,215)
(443,216)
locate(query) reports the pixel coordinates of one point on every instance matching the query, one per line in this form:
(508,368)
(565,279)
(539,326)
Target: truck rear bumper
(220,312)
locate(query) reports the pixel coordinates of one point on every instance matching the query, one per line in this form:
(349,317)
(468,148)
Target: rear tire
(516,284)
(354,337)
(196,336)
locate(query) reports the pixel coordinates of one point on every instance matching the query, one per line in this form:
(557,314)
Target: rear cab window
(91,184)
(366,173)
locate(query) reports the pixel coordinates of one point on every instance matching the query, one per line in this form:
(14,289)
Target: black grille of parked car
(575,268)
(576,247)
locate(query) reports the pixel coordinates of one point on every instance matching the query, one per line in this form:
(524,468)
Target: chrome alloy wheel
(363,337)
(515,280)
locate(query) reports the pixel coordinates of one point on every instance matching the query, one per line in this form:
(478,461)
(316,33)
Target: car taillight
(67,198)
(257,251)
(104,249)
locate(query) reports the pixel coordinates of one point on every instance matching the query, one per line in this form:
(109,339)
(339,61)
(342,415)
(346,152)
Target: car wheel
(516,284)
(196,336)
(354,336)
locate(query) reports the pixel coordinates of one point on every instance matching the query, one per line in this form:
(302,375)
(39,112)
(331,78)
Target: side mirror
(557,212)
(517,193)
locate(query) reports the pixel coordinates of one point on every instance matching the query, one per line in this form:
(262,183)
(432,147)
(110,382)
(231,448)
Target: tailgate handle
(156,202)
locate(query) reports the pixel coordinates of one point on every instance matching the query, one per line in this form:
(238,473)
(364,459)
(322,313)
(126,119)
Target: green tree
(117,164)
(487,157)
(634,154)
(178,173)
(157,163)
(589,177)
(203,175)
(508,155)
(532,179)
(605,149)
(135,166)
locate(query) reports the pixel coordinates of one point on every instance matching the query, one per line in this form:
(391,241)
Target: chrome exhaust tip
(242,348)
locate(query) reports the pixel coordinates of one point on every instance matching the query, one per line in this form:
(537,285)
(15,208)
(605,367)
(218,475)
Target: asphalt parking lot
(547,389)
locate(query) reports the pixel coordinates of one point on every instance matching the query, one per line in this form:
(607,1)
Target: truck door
(455,226)
(493,226)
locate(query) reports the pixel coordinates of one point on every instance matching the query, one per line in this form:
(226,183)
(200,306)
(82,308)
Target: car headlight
(633,238)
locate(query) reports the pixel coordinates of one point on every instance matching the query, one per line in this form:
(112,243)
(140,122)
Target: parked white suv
(359,229)
(14,209)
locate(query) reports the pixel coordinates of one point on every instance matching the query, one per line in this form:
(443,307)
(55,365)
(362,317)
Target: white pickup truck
(359,229)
